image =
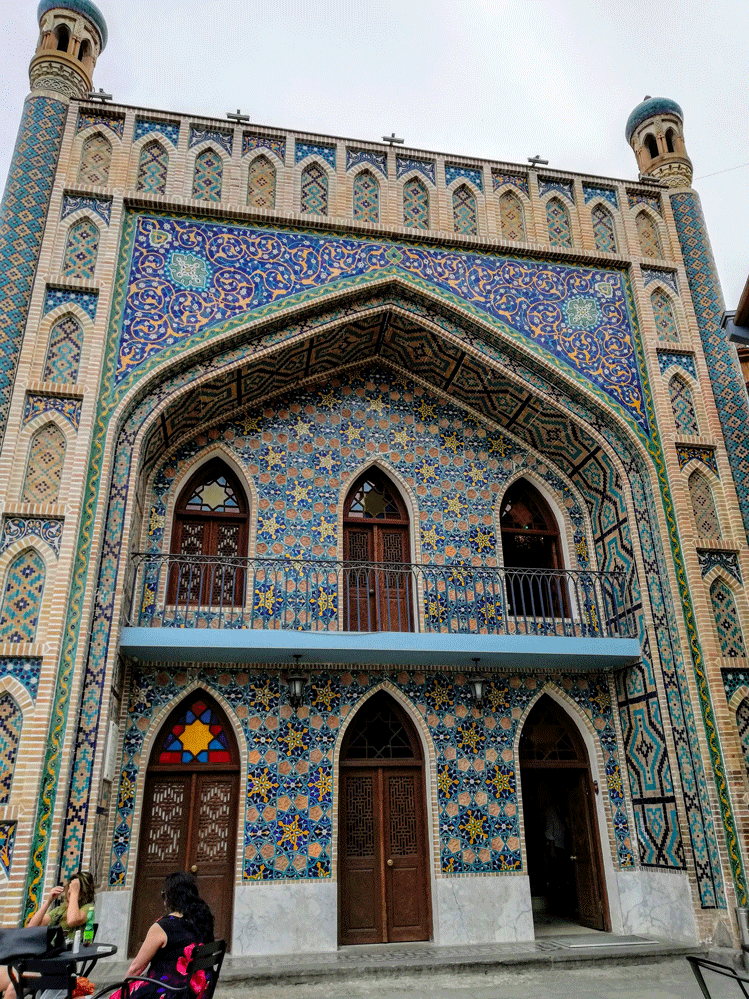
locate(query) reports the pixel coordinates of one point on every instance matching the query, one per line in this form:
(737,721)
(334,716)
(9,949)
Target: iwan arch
(366,527)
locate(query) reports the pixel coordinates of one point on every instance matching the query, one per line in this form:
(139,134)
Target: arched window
(62,33)
(376,533)
(663,314)
(670,141)
(208,177)
(558,218)
(703,506)
(45,464)
(22,598)
(647,232)
(84,52)
(727,620)
(464,210)
(511,217)
(366,197)
(415,204)
(81,251)
(210,531)
(682,405)
(651,145)
(10,736)
(96,159)
(314,200)
(64,351)
(154,162)
(603,229)
(261,184)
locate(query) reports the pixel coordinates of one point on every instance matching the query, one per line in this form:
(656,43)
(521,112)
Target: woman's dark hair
(181,894)
(86,881)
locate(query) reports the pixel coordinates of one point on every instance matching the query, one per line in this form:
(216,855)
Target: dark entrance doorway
(189,817)
(383,858)
(565,865)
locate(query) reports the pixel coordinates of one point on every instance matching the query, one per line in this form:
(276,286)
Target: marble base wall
(113,916)
(657,903)
(285,918)
(482,910)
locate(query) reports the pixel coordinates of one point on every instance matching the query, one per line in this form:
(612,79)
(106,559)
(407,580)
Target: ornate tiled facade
(275,144)
(727,621)
(25,670)
(17,528)
(87,300)
(224,139)
(22,598)
(146,126)
(81,251)
(10,735)
(261,183)
(454,171)
(99,206)
(7,842)
(64,351)
(44,466)
(38,405)
(709,558)
(153,167)
(208,180)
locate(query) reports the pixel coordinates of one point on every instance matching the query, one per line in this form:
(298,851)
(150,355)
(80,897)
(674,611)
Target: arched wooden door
(565,865)
(189,815)
(377,580)
(384,893)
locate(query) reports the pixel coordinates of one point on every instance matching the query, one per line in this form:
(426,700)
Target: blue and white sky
(487,78)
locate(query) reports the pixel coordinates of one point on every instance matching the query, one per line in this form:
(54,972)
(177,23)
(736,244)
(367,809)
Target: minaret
(655,131)
(72,35)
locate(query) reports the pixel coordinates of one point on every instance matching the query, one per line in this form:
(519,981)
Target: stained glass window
(647,230)
(152,168)
(464,210)
(511,217)
(96,157)
(703,506)
(415,204)
(374,499)
(663,313)
(197,737)
(314,190)
(558,218)
(214,496)
(727,620)
(261,184)
(366,197)
(603,229)
(682,405)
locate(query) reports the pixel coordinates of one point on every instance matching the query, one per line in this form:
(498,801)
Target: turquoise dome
(647,109)
(85,7)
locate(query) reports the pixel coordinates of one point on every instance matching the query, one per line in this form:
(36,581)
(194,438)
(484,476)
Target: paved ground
(666,980)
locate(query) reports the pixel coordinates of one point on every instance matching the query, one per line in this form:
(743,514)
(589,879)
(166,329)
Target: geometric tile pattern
(500,179)
(314,190)
(682,405)
(224,140)
(208,177)
(144,126)
(603,229)
(366,197)
(96,159)
(25,670)
(663,314)
(464,210)
(725,376)
(563,187)
(86,300)
(44,468)
(668,358)
(81,251)
(453,171)
(404,164)
(115,122)
(415,204)
(695,452)
(733,680)
(647,232)
(607,193)
(305,149)
(22,218)
(703,506)
(709,558)
(727,620)
(558,219)
(10,735)
(152,168)
(36,405)
(511,217)
(261,186)
(18,528)
(742,722)
(99,206)
(635,198)
(650,274)
(22,599)
(7,842)
(356,156)
(64,351)
(288,806)
(274,144)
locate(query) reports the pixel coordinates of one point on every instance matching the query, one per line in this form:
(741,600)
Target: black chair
(36,975)
(697,963)
(205,957)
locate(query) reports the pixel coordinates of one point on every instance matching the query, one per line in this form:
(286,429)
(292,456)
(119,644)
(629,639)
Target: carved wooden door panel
(212,846)
(361,916)
(405,856)
(360,581)
(394,591)
(584,856)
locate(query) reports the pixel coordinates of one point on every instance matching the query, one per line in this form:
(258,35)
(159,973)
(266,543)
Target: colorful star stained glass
(197,737)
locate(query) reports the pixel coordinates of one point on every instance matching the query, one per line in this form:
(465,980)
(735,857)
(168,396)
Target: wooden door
(585,855)
(377,599)
(406,894)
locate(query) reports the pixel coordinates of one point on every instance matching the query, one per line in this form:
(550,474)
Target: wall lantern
(477,683)
(296,680)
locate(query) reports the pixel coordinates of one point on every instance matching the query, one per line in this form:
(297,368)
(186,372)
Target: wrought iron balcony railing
(191,591)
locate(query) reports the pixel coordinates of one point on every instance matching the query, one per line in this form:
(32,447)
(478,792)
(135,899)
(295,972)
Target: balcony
(199,608)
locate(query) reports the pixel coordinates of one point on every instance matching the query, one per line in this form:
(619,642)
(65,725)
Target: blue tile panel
(696,452)
(18,528)
(36,405)
(276,144)
(99,206)
(590,192)
(563,187)
(517,180)
(405,164)
(7,842)
(725,375)
(11,720)
(22,218)
(223,139)
(114,122)
(169,129)
(454,171)
(305,149)
(709,558)
(636,198)
(87,300)
(24,669)
(356,156)
(667,358)
(650,274)
(22,597)
(478,801)
(733,680)
(521,295)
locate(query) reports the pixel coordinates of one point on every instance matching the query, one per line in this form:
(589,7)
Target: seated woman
(171,940)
